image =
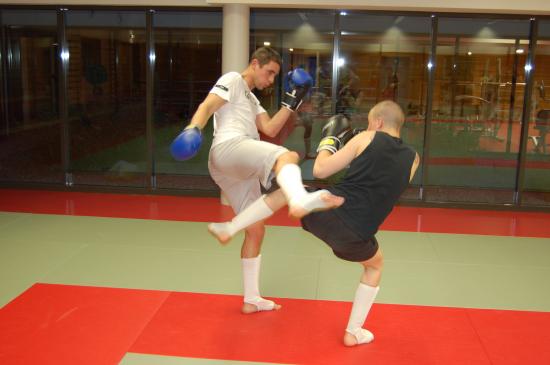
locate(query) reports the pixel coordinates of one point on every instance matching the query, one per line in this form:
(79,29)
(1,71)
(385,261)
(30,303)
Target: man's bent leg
(262,208)
(313,202)
(289,176)
(300,202)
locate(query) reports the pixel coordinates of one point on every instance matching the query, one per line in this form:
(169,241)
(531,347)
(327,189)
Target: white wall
(534,7)
(486,6)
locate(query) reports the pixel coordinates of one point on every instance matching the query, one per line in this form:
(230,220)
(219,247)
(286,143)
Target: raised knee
(290,156)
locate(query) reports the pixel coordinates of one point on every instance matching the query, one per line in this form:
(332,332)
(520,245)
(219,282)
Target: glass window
(188,48)
(476,112)
(384,57)
(477,108)
(537,170)
(106,97)
(30,132)
(304,39)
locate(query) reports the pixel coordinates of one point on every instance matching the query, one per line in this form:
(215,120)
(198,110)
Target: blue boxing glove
(299,83)
(187,143)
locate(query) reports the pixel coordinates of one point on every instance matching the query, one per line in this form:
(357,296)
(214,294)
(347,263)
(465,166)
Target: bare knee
(255,232)
(374,267)
(290,157)
(373,270)
(284,159)
(377,261)
(253,237)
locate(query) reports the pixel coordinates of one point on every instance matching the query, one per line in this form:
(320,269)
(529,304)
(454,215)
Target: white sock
(251,279)
(255,212)
(312,201)
(290,181)
(364,298)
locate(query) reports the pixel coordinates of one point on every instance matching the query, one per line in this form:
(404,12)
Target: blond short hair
(389,112)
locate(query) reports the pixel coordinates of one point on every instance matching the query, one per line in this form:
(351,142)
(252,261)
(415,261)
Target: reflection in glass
(106,91)
(304,39)
(30,134)
(537,169)
(188,63)
(477,102)
(384,58)
(477,105)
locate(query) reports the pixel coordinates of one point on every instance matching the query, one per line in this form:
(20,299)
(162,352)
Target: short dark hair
(266,54)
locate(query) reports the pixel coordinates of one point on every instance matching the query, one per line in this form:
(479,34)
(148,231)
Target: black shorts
(334,231)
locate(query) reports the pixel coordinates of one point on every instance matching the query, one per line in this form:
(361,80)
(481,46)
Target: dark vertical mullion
(115,68)
(279,91)
(454,76)
(4,75)
(525,118)
(335,58)
(170,86)
(63,59)
(429,103)
(150,85)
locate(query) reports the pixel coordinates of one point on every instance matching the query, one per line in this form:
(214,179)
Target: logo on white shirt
(221,87)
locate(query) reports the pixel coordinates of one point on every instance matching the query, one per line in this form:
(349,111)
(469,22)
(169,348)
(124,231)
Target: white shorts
(240,165)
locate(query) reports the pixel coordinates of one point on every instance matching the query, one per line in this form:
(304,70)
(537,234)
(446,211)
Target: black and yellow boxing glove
(334,133)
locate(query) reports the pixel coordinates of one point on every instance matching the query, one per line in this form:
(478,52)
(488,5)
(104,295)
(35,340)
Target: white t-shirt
(237,117)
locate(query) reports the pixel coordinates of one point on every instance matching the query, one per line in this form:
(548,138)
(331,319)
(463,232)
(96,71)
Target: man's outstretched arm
(209,106)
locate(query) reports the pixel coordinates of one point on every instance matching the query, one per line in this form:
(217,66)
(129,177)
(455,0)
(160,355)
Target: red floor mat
(512,337)
(61,324)
(193,209)
(72,325)
(308,332)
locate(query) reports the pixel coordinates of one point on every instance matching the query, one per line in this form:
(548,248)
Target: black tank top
(373,183)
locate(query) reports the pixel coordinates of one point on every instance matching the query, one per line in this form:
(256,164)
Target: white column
(235,38)
(235,42)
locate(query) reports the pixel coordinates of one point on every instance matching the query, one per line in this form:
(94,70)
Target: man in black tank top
(380,169)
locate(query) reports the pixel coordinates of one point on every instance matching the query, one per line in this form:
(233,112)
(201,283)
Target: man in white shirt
(239,162)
